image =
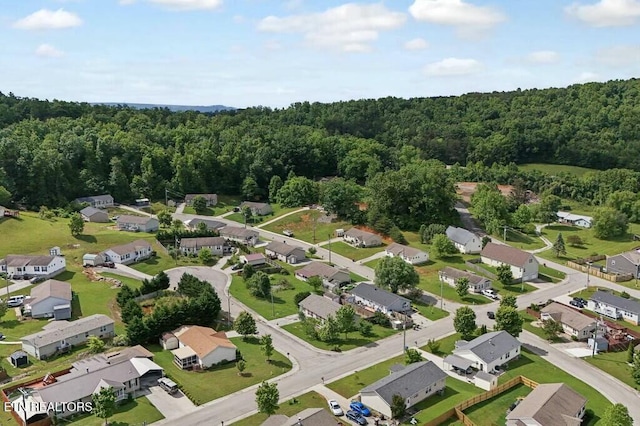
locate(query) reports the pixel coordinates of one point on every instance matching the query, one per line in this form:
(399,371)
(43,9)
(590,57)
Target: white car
(490,293)
(335,408)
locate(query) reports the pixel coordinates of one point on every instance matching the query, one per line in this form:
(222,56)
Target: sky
(272,53)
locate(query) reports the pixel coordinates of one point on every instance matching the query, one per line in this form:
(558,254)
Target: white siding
(44,309)
(218,355)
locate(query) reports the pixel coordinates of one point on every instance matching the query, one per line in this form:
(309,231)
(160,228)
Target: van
(168,385)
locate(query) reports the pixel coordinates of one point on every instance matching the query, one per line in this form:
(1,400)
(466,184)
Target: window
(43,269)
(36,269)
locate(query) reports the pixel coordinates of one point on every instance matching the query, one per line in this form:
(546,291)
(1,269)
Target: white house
(488,351)
(377,299)
(414,383)
(319,307)
(615,307)
(451,276)
(285,252)
(359,238)
(137,223)
(254,259)
(218,245)
(91,214)
(257,209)
(466,242)
(27,266)
(524,266)
(97,201)
(331,276)
(575,219)
(248,237)
(573,322)
(51,299)
(211,199)
(202,347)
(410,255)
(128,253)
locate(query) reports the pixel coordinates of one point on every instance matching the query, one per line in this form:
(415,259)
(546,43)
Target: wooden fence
(581,265)
(473,265)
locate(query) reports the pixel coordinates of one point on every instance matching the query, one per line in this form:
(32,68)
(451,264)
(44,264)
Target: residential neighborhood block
(409,254)
(465,241)
(137,223)
(524,266)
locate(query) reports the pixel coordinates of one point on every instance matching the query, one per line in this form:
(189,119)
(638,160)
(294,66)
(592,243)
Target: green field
(554,169)
(350,385)
(198,385)
(302,225)
(277,212)
(430,312)
(523,241)
(226,203)
(132,413)
(354,253)
(354,339)
(493,411)
(614,364)
(288,408)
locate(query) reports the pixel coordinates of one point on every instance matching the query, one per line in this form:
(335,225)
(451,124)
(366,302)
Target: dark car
(237,267)
(575,303)
(360,408)
(356,417)
(491,315)
(581,301)
(2,336)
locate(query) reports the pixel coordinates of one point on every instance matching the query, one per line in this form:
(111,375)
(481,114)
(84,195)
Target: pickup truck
(490,293)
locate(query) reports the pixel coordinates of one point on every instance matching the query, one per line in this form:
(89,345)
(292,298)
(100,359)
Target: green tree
(137,331)
(558,247)
(199,204)
(241,365)
(630,354)
(298,191)
(521,216)
(95,344)
(365,328)
(412,356)
(248,271)
(505,276)
(267,397)
(433,346)
(346,320)
(548,209)
(635,368)
(260,285)
(616,415)
(299,297)
(205,256)
(485,240)
(395,274)
(5,196)
(130,310)
(104,403)
(398,406)
(465,322)
(509,300)
(428,232)
(329,330)
(164,218)
(490,207)
(609,223)
(250,188)
(442,246)
(575,241)
(462,286)
(245,325)
(509,320)
(76,224)
(266,346)
(316,284)
(274,186)
(340,196)
(551,329)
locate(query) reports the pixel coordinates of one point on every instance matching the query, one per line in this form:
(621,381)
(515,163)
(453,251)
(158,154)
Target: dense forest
(52,152)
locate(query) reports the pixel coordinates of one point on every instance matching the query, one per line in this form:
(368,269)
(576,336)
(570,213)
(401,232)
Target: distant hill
(199,108)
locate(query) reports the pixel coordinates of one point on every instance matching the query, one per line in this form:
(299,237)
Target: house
(625,263)
(489,351)
(319,307)
(97,201)
(218,245)
(466,242)
(93,259)
(248,237)
(549,404)
(202,347)
(410,255)
(451,276)
(331,276)
(255,259)
(137,223)
(615,307)
(573,322)
(211,225)
(127,372)
(524,266)
(285,252)
(91,214)
(307,417)
(575,219)
(360,238)
(27,266)
(376,299)
(257,209)
(51,299)
(132,252)
(211,199)
(59,335)
(415,382)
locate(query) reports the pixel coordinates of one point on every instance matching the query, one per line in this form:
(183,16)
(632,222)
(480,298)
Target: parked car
(360,408)
(2,336)
(490,293)
(491,315)
(576,303)
(288,232)
(36,280)
(356,417)
(15,301)
(580,300)
(168,385)
(237,267)
(335,407)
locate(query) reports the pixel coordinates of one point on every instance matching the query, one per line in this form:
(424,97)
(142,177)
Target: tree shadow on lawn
(66,276)
(279,363)
(91,239)
(523,360)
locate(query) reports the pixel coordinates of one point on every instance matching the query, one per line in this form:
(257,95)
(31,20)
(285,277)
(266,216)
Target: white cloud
(453,67)
(272,45)
(49,51)
(467,18)
(587,76)
(188,4)
(543,57)
(46,19)
(606,13)
(416,44)
(619,56)
(350,27)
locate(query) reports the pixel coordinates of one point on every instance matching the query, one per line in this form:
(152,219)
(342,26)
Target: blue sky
(273,53)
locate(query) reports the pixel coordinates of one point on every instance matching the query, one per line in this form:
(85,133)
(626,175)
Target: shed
(601,344)
(340,232)
(485,381)
(90,259)
(19,359)
(62,312)
(169,341)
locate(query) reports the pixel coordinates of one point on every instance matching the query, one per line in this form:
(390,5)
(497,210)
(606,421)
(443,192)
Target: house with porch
(257,209)
(91,214)
(615,307)
(28,266)
(489,351)
(330,275)
(411,255)
(451,276)
(97,201)
(285,252)
(377,299)
(128,222)
(573,322)
(211,199)
(575,219)
(201,347)
(51,299)
(126,254)
(465,241)
(218,245)
(359,238)
(549,404)
(319,307)
(248,237)
(524,265)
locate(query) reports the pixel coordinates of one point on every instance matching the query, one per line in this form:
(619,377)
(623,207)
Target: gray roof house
(616,307)
(524,265)
(489,351)
(97,201)
(248,237)
(285,252)
(307,417)
(549,404)
(409,254)
(257,209)
(218,245)
(320,307)
(193,224)
(27,266)
(211,199)
(465,241)
(137,223)
(91,214)
(625,263)
(51,299)
(573,322)
(575,219)
(377,299)
(331,276)
(414,383)
(451,276)
(360,238)
(58,335)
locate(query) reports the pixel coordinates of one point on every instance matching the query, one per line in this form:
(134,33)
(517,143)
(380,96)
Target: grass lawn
(277,212)
(226,203)
(283,304)
(614,364)
(431,312)
(493,411)
(515,289)
(550,275)
(356,278)
(288,408)
(199,385)
(523,241)
(351,252)
(373,263)
(447,344)
(429,280)
(354,340)
(527,325)
(554,169)
(302,225)
(456,392)
(350,385)
(128,414)
(131,282)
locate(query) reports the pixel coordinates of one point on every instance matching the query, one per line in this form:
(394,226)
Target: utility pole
(595,340)
(315,218)
(441,299)
(404,334)
(505,232)
(273,308)
(229,310)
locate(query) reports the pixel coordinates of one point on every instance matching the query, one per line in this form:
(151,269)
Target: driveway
(171,406)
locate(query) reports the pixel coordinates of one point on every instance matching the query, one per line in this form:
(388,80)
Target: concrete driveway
(171,406)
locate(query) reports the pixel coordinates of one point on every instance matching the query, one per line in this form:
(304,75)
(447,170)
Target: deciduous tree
(551,329)
(199,204)
(346,320)
(164,218)
(412,356)
(245,325)
(609,223)
(266,346)
(462,286)
(95,344)
(509,300)
(395,274)
(575,241)
(267,397)
(465,321)
(505,276)
(441,246)
(616,415)
(104,403)
(76,224)
(205,256)
(509,320)
(398,406)
(241,365)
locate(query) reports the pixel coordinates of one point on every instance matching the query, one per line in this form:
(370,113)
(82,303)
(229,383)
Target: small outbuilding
(91,259)
(169,341)
(19,359)
(486,381)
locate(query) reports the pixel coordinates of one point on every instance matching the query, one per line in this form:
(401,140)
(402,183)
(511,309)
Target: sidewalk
(126,271)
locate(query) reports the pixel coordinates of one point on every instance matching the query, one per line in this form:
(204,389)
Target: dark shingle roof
(491,346)
(377,295)
(282,248)
(505,254)
(616,301)
(90,211)
(408,381)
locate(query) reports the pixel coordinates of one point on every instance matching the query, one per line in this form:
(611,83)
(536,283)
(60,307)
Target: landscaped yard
(493,411)
(431,312)
(277,212)
(226,203)
(354,253)
(132,413)
(302,225)
(550,275)
(354,340)
(527,325)
(288,408)
(204,386)
(586,294)
(456,392)
(350,385)
(614,364)
(523,241)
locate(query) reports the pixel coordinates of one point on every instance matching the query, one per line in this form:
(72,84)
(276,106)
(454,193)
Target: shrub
(380,319)
(312,250)
(299,297)
(534,307)
(433,346)
(529,229)
(365,329)
(625,295)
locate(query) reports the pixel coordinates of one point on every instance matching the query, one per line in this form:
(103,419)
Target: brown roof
(130,247)
(317,268)
(505,254)
(567,315)
(51,288)
(282,248)
(24,260)
(454,273)
(550,404)
(202,340)
(202,242)
(396,249)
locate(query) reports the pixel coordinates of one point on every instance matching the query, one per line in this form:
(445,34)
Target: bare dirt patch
(466,189)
